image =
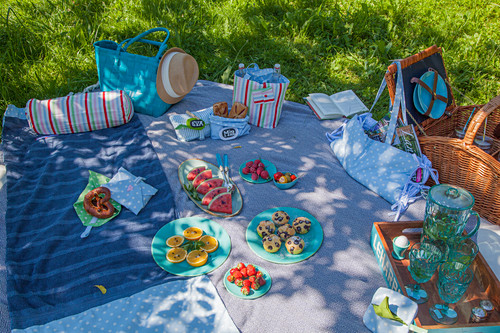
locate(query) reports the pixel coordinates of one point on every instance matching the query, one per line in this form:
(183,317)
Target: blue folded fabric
(130,191)
(51,271)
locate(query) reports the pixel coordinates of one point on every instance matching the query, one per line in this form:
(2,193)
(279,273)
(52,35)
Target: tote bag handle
(139,38)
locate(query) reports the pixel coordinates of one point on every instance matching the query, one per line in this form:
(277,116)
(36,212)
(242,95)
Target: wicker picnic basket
(458,161)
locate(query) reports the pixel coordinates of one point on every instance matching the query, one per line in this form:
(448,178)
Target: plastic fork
(223,173)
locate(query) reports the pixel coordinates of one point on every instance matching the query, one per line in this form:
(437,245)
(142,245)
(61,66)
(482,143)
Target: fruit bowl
(287,185)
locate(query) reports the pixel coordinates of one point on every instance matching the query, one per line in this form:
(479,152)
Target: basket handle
(479,119)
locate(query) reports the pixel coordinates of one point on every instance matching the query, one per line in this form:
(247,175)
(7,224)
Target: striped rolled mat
(79,112)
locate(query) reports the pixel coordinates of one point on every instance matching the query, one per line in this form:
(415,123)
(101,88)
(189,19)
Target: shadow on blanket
(52,272)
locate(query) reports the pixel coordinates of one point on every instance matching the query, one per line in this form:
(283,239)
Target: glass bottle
(241,70)
(276,74)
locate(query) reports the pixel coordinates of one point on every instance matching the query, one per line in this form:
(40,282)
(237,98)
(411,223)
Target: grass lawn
(46,46)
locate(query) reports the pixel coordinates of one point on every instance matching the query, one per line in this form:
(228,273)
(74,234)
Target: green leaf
(383,311)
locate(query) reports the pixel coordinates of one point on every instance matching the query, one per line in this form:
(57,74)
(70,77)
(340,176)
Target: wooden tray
(484,286)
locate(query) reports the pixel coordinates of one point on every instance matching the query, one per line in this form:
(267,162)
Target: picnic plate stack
(458,161)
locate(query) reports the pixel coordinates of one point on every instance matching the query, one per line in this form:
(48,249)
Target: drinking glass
(464,251)
(454,279)
(424,259)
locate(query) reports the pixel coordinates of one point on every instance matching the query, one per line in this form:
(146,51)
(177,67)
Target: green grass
(46,46)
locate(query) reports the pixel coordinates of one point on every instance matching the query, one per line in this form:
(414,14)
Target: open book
(342,104)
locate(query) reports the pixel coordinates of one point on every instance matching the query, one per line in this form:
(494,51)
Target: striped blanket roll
(79,112)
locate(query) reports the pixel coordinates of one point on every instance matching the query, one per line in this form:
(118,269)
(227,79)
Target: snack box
(484,286)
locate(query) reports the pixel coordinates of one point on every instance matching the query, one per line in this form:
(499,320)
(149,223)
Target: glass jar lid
(451,196)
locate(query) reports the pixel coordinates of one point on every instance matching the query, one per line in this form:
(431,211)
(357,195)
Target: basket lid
(451,196)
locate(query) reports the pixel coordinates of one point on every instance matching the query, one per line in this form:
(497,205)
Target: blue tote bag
(133,73)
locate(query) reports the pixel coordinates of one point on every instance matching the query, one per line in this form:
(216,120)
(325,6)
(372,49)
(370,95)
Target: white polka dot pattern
(185,305)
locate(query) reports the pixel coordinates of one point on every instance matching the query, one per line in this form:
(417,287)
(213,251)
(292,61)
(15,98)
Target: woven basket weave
(458,161)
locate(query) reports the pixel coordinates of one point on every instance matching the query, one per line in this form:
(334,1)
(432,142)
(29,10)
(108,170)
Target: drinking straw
(484,131)
(467,123)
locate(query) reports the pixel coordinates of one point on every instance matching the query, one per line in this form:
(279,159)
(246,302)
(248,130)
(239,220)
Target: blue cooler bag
(135,74)
(228,128)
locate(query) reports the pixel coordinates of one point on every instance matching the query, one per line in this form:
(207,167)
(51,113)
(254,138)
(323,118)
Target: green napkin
(95,180)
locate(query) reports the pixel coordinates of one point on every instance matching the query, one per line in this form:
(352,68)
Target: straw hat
(176,76)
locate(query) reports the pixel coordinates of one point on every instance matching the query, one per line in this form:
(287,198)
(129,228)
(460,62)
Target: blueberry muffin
(280,218)
(266,228)
(302,225)
(271,243)
(295,245)
(285,231)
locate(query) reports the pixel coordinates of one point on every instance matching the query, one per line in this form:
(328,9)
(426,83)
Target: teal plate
(269,167)
(159,248)
(425,97)
(236,291)
(192,163)
(313,239)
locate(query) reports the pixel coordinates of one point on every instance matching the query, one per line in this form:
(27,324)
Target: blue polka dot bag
(381,167)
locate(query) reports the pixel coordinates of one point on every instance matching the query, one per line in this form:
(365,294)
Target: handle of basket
(479,119)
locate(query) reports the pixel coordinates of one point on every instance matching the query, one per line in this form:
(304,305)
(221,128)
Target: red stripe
(123,108)
(277,104)
(50,117)
(69,115)
(31,117)
(260,109)
(87,111)
(264,101)
(104,106)
(246,93)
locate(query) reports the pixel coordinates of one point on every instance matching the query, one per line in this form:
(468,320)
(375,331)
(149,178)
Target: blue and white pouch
(184,129)
(228,128)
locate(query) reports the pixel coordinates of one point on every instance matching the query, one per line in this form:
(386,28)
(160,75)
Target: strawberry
(230,278)
(261,281)
(238,282)
(252,278)
(233,270)
(247,283)
(244,272)
(237,275)
(245,290)
(258,274)
(251,270)
(240,266)
(255,285)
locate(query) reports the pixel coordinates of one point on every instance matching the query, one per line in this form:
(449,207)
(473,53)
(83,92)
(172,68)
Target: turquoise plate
(192,163)
(159,248)
(416,100)
(269,167)
(313,239)
(236,291)
(425,97)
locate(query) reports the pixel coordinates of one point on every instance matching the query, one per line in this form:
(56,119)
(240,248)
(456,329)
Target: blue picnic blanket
(52,272)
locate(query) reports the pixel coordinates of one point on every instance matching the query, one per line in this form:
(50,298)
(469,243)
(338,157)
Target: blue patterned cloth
(130,191)
(51,271)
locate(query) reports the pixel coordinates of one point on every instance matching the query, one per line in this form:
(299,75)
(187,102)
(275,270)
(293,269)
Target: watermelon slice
(194,172)
(222,203)
(211,194)
(208,184)
(204,175)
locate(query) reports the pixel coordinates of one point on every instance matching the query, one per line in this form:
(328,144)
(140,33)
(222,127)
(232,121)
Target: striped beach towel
(79,112)
(264,100)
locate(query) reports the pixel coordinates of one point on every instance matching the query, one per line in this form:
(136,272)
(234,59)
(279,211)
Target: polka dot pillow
(380,167)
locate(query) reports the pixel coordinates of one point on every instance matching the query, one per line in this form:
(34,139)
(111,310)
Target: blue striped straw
(467,123)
